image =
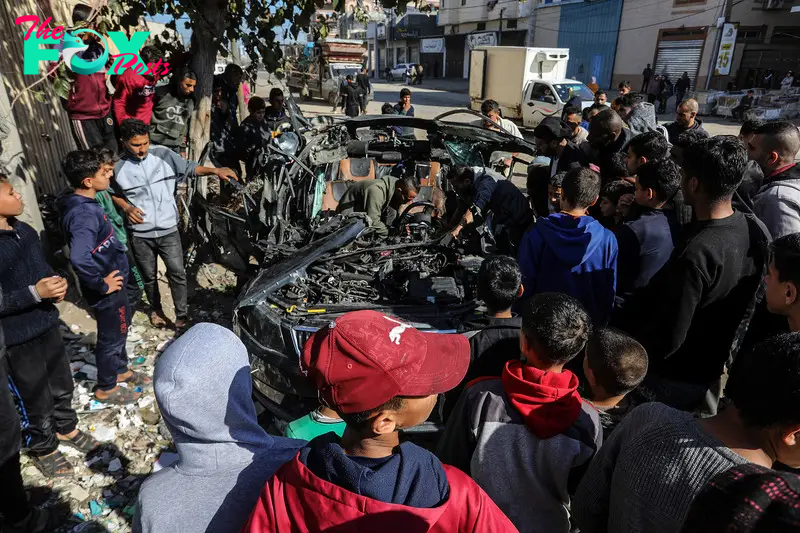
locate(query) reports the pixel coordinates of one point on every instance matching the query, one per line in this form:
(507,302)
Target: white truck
(528,83)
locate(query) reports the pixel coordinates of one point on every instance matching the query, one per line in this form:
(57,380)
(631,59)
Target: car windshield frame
(585,93)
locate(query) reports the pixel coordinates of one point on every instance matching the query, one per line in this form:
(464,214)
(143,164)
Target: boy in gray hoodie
(530,432)
(225,457)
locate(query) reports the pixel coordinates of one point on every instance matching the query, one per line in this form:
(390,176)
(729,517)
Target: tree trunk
(204,56)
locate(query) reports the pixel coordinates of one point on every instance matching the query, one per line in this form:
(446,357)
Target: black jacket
(492,343)
(645,241)
(674,129)
(604,157)
(350,100)
(364,85)
(24,316)
(688,315)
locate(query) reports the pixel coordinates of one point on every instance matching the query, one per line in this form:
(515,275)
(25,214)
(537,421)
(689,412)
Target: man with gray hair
(686,120)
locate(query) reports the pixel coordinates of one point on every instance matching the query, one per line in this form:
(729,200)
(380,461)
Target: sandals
(158,320)
(121,396)
(137,379)
(53,465)
(83,442)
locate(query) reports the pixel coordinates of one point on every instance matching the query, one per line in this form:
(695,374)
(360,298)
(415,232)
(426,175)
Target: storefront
(454,56)
(432,54)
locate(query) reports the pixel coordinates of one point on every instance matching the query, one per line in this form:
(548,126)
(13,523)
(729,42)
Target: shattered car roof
(469,132)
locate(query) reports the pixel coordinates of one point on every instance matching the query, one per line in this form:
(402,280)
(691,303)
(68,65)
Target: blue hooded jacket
(95,252)
(575,256)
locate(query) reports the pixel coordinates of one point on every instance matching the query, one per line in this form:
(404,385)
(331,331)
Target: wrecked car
(306,265)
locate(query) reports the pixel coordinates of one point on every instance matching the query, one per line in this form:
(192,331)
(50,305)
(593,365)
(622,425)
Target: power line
(597,5)
(660,23)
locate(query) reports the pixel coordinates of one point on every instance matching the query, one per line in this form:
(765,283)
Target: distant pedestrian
(766,81)
(351,98)
(746,102)
(364,88)
(787,82)
(419,74)
(647,75)
(681,86)
(624,87)
(404,107)
(435,69)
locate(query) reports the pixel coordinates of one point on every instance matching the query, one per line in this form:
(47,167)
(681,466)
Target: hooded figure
(225,457)
(642,119)
(575,256)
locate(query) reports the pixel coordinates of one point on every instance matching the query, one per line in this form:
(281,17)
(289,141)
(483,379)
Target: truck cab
(543,98)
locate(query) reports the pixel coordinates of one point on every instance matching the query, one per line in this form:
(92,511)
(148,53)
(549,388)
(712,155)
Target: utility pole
(531,23)
(500,32)
(727,7)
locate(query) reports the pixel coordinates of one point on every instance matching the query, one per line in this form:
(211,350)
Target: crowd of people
(636,367)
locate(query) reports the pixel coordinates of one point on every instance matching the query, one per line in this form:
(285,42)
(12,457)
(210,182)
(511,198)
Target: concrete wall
(636,45)
(547,24)
(453,12)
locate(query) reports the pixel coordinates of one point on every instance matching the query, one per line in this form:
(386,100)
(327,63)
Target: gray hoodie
(203,388)
(777,203)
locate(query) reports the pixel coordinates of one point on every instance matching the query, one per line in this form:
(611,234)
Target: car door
(540,102)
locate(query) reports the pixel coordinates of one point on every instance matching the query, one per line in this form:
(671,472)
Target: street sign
(726,45)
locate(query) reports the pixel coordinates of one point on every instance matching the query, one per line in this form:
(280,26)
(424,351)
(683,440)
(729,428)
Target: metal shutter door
(677,57)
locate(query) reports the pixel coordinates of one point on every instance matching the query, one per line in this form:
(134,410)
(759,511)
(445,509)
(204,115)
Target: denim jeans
(169,249)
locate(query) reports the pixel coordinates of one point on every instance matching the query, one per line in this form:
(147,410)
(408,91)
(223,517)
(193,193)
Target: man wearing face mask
(143,188)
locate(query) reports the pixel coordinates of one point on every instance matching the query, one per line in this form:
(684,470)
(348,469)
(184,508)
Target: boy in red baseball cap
(380,375)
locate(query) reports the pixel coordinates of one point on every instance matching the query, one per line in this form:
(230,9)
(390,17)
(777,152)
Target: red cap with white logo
(365,358)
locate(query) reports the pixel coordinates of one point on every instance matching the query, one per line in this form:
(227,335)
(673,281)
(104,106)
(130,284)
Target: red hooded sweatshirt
(88,97)
(134,97)
(548,401)
(297,501)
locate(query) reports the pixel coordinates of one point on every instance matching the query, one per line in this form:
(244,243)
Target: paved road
(430,102)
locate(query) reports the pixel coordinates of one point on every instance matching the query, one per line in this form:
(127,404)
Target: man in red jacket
(135,92)
(89,104)
(380,375)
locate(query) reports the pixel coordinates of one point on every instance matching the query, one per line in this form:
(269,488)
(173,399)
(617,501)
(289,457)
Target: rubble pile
(101,495)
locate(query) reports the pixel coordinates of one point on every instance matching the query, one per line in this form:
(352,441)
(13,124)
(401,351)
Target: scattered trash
(166,460)
(95,508)
(135,442)
(104,433)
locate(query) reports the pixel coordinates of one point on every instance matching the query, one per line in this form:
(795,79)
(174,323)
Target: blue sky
(187,33)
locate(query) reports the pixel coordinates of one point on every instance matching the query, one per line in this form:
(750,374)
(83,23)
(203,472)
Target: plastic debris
(104,433)
(165,460)
(95,508)
(115,465)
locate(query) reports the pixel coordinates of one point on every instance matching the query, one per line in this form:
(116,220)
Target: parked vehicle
(528,83)
(398,72)
(320,73)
